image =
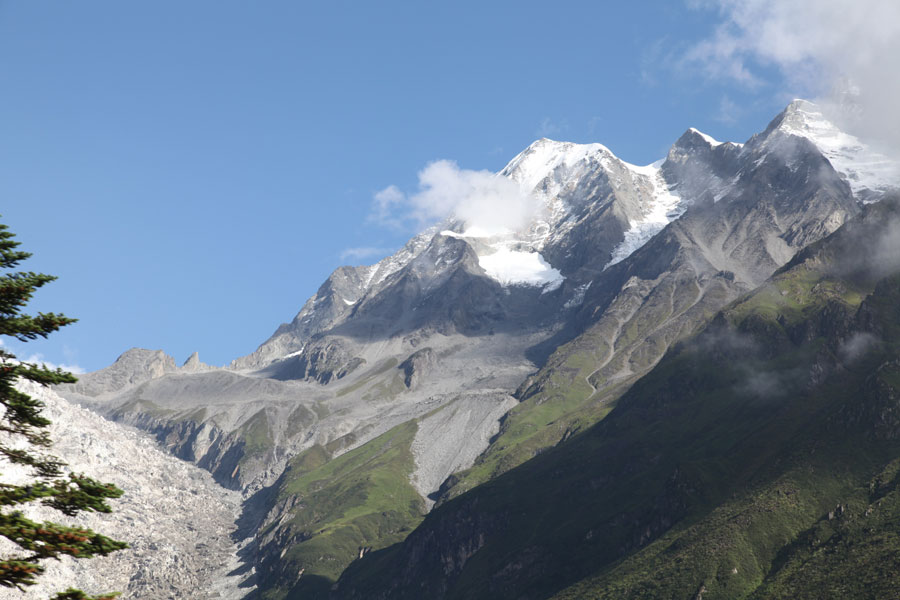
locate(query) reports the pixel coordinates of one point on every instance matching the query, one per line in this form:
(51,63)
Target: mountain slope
(773,196)
(733,469)
(567,312)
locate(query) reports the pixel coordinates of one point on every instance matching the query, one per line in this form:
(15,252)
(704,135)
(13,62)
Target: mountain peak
(193,364)
(696,133)
(692,141)
(869,173)
(144,356)
(543,156)
(802,105)
(806,119)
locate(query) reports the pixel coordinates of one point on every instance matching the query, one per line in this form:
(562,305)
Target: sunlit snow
(513,267)
(661,208)
(709,139)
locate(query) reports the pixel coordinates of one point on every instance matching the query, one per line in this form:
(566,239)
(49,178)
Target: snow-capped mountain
(484,347)
(869,173)
(585,191)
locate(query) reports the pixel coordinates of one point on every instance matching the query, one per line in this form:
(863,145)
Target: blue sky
(193,171)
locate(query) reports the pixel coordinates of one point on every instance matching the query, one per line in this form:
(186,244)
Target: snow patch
(515,267)
(663,207)
(293,354)
(545,156)
(707,138)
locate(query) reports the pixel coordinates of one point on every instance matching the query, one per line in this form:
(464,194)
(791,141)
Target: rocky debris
(450,439)
(177,521)
(202,443)
(322,362)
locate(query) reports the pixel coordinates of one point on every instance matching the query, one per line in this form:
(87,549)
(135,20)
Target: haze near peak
(844,54)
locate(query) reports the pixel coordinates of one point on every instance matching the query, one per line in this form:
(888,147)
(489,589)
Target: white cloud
(485,202)
(39,360)
(845,53)
(364,252)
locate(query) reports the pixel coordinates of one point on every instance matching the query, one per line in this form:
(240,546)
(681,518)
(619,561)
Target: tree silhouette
(24,438)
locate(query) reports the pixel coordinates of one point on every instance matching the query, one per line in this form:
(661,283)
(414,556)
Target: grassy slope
(776,536)
(562,403)
(771,535)
(361,499)
(565,405)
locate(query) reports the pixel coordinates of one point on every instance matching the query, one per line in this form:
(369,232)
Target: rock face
(435,341)
(193,364)
(416,367)
(132,368)
(323,362)
(176,520)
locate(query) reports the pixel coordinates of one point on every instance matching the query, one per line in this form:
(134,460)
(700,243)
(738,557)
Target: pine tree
(24,437)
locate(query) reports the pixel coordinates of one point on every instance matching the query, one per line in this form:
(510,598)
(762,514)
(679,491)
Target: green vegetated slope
(823,505)
(334,510)
(758,460)
(566,404)
(584,378)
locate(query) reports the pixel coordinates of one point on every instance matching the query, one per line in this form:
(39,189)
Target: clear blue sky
(193,171)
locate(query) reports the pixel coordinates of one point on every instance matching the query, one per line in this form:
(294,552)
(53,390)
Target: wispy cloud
(594,124)
(364,252)
(482,200)
(728,112)
(385,206)
(38,359)
(656,58)
(550,128)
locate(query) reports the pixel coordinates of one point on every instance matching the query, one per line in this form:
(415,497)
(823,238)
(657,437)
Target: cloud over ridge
(485,202)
